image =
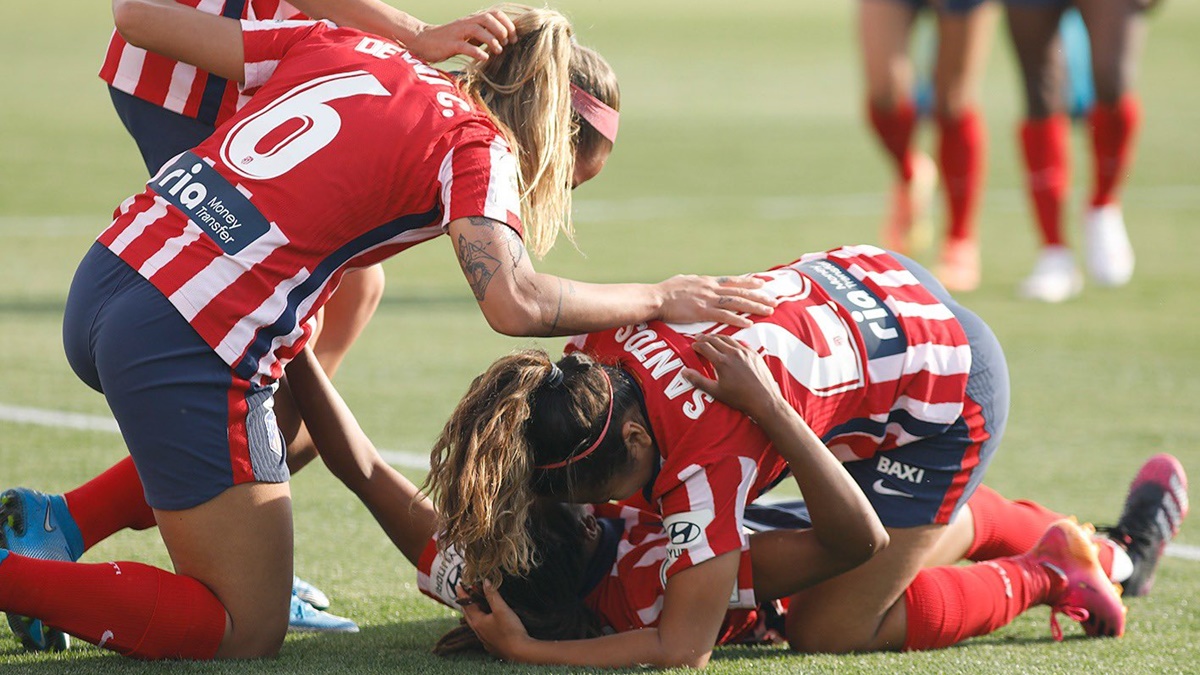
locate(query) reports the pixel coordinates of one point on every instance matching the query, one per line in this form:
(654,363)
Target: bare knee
(253,639)
(811,635)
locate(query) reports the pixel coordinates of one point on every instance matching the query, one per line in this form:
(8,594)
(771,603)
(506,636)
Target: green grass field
(742,145)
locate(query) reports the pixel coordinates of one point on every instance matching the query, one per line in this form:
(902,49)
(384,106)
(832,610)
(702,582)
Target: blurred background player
(228,312)
(1117,32)
(964,35)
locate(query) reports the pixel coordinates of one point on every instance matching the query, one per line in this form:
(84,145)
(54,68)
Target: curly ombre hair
(526,91)
(519,434)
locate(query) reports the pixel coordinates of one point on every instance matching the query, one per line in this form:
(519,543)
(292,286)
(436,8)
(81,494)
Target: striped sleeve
(703,515)
(479,178)
(265,43)
(438,573)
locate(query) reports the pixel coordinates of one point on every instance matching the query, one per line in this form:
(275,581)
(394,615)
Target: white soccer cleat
(1108,253)
(1055,277)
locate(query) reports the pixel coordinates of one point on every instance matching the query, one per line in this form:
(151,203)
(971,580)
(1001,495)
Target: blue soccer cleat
(303,617)
(38,525)
(309,593)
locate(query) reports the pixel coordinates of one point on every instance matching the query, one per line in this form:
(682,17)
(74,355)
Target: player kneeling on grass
(866,357)
(189,305)
(591,577)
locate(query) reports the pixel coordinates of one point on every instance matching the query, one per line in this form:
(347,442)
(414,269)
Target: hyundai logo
(683,533)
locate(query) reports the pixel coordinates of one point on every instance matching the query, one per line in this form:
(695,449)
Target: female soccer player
(872,357)
(1117,31)
(599,567)
(964,30)
(169,107)
(186,310)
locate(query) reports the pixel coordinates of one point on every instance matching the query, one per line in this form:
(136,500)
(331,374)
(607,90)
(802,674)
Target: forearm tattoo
(478,264)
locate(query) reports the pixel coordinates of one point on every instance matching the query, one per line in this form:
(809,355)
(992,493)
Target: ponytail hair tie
(554,378)
(599,439)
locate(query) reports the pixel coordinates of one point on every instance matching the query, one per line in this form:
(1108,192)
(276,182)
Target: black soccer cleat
(1154,509)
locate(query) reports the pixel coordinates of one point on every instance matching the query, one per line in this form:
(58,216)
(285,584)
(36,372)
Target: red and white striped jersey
(181,87)
(630,595)
(868,356)
(350,151)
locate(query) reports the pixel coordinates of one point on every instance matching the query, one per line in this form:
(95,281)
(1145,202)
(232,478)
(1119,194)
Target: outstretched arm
(846,532)
(212,43)
(402,511)
(694,607)
(519,301)
(465,36)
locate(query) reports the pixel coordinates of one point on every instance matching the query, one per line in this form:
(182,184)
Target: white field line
(751,208)
(409,460)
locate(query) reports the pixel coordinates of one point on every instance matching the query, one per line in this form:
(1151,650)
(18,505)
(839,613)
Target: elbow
(514,320)
(685,659)
(128,18)
(871,544)
(852,551)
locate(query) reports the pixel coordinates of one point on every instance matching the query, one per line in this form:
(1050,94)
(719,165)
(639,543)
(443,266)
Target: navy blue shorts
(948,6)
(928,481)
(193,427)
(160,134)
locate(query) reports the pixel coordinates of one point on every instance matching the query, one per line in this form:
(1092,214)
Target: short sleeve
(703,514)
(266,42)
(438,573)
(479,178)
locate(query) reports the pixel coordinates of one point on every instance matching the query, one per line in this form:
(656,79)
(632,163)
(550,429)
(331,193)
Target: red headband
(595,444)
(597,113)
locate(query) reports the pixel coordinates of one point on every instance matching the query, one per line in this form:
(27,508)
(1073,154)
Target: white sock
(1122,565)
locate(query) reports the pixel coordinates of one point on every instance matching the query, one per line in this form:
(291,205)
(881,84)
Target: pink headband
(597,113)
(595,444)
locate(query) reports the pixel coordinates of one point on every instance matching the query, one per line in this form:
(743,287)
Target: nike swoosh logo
(49,524)
(882,489)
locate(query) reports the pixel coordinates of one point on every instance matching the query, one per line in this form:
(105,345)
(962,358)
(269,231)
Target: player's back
(350,151)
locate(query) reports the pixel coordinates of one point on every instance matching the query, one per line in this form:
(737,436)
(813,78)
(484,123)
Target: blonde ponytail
(480,470)
(526,90)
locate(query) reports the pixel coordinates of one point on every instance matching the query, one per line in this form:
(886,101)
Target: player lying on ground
(871,354)
(598,569)
(189,305)
(591,574)
(844,530)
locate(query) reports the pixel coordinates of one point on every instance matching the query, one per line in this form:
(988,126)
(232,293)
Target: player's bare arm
(846,531)
(401,510)
(693,607)
(467,36)
(517,300)
(212,43)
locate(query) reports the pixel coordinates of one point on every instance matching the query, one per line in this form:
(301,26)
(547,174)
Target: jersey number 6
(300,123)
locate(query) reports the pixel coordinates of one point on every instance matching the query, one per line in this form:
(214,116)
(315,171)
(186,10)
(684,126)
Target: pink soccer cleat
(1085,595)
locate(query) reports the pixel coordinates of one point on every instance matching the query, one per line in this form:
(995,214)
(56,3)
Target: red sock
(1113,129)
(1004,527)
(895,128)
(947,605)
(130,608)
(962,155)
(1048,172)
(110,502)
